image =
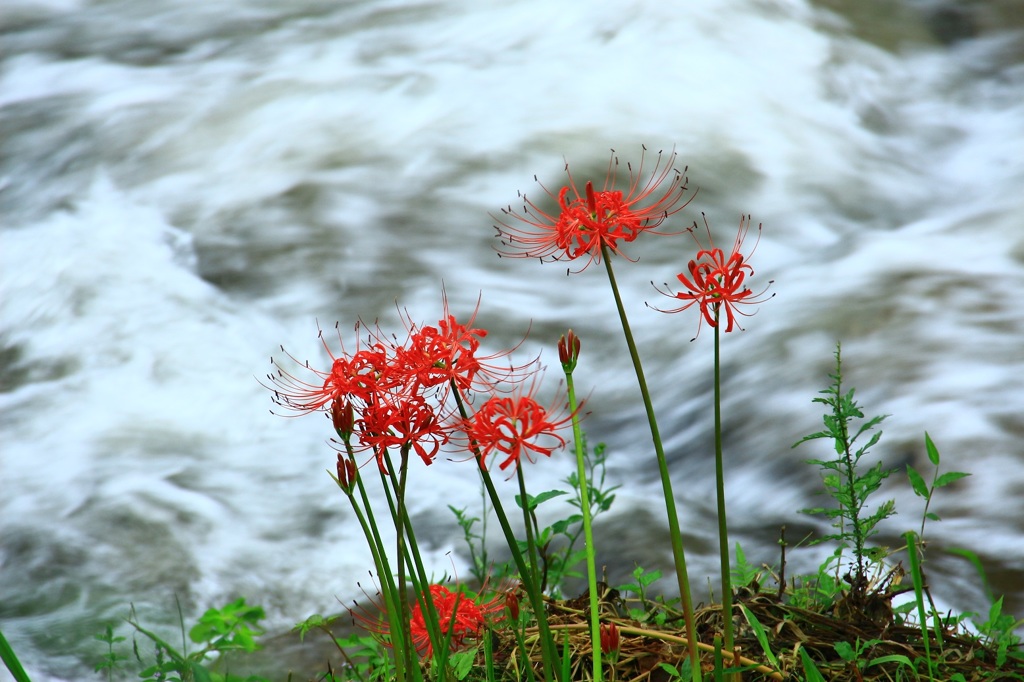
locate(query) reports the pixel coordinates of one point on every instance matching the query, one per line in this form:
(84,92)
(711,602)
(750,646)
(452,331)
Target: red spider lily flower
(449,353)
(406,421)
(358,375)
(456,613)
(716,283)
(595,218)
(514,427)
(435,356)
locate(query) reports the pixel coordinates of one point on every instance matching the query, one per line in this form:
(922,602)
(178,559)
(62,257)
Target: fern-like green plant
(844,479)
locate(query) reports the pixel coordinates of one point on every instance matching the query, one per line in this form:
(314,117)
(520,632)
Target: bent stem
(676,538)
(588,535)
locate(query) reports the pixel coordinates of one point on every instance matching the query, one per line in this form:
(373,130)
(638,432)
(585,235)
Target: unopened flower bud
(343,417)
(346,474)
(610,639)
(512,604)
(569,350)
(591,199)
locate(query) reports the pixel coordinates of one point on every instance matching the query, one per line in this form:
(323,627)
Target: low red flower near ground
(456,613)
(593,218)
(716,283)
(513,427)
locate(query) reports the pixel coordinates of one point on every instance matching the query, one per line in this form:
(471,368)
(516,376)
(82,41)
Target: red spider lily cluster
(390,395)
(594,218)
(458,614)
(717,284)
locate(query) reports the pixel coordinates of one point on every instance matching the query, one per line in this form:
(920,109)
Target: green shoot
(845,481)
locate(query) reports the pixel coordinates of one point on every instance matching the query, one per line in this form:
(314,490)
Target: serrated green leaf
(813,436)
(933,452)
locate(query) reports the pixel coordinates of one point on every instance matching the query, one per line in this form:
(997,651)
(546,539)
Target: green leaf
(947,478)
(933,452)
(670,669)
(892,658)
(759,632)
(845,651)
(819,434)
(545,496)
(535,500)
(562,525)
(811,672)
(199,673)
(314,621)
(462,663)
(917,482)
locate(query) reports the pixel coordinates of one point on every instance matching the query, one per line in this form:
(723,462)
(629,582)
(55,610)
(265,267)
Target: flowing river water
(185,186)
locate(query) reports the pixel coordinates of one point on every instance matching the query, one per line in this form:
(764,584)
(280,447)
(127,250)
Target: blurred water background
(185,186)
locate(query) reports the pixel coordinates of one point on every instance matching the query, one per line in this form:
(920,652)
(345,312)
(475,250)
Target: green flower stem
(396,624)
(414,562)
(666,483)
(723,531)
(550,658)
(588,534)
(529,522)
(403,592)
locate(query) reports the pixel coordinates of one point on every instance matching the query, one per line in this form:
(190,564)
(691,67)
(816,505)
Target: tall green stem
(551,659)
(666,483)
(414,563)
(400,557)
(396,624)
(588,534)
(529,523)
(723,532)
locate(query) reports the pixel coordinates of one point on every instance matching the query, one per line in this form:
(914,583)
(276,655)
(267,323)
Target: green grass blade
(761,634)
(11,661)
(811,672)
(915,572)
